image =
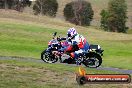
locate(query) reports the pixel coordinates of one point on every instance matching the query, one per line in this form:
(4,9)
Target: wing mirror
(54,34)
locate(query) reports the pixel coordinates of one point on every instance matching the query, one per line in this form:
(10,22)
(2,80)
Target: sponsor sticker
(83,78)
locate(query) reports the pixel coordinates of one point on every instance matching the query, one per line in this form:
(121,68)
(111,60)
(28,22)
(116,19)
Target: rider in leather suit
(76,40)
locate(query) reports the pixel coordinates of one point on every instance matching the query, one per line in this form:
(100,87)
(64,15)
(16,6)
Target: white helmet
(71,32)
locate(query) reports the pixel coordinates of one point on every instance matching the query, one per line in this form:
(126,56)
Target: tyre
(93,60)
(81,80)
(48,57)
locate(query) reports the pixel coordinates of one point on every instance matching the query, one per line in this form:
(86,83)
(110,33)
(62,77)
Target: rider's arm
(63,38)
(60,39)
(78,40)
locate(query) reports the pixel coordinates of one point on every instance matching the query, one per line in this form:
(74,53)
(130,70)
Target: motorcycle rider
(76,40)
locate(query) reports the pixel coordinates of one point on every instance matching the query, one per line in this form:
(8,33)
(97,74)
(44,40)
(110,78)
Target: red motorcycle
(91,58)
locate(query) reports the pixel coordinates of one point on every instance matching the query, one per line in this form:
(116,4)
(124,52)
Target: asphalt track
(124,71)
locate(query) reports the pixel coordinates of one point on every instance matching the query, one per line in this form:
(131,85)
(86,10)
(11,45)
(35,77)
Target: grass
(61,68)
(15,73)
(29,40)
(129,31)
(117,54)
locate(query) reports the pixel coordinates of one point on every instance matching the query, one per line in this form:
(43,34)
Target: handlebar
(59,39)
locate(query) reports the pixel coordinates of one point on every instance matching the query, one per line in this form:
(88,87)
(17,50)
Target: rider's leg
(63,49)
(86,47)
(75,56)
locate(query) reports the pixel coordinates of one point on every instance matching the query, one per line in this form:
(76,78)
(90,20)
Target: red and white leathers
(81,42)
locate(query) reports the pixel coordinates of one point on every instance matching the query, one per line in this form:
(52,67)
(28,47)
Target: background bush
(79,12)
(114,18)
(14,4)
(45,7)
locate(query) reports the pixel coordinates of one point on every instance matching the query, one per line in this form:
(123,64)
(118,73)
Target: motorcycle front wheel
(48,57)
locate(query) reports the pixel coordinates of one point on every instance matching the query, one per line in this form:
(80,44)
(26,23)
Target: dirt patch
(40,76)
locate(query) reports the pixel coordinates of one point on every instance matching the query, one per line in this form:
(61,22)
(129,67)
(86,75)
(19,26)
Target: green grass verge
(28,40)
(61,68)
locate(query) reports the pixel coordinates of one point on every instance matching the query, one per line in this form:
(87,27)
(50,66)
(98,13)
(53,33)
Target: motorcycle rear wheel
(95,59)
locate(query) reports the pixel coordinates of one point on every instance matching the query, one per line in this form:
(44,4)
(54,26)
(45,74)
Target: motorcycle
(90,58)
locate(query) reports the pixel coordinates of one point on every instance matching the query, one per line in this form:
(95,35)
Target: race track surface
(124,71)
